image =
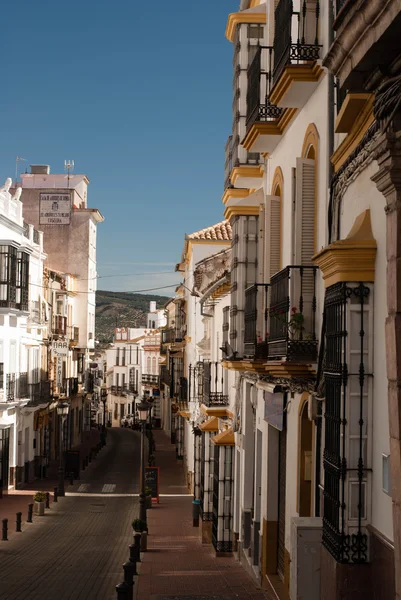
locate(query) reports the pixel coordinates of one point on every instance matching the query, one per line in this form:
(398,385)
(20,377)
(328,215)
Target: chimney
(40,169)
(152,306)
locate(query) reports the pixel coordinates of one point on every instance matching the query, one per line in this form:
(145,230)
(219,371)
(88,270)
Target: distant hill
(121,309)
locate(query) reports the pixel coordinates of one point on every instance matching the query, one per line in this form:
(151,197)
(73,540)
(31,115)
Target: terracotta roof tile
(220,231)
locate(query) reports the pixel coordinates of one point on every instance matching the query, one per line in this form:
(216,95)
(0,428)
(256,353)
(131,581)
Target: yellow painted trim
(289,370)
(222,290)
(276,127)
(235,193)
(254,3)
(211,424)
(307,72)
(225,438)
(229,414)
(355,136)
(237,18)
(351,108)
(251,171)
(212,411)
(352,259)
(184,413)
(232,211)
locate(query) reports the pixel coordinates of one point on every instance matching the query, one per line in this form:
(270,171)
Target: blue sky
(139,94)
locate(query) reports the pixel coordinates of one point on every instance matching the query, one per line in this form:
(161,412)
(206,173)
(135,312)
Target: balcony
(256,322)
(133,389)
(165,376)
(163,349)
(39,392)
(59,325)
(168,335)
(70,386)
(292,313)
(213,385)
(10,387)
(296,51)
(265,121)
(150,379)
(73,336)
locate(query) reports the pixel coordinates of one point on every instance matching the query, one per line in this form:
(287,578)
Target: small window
(387,487)
(255,32)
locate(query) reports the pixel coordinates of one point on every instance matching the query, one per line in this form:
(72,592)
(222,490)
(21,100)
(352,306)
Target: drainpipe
(331,119)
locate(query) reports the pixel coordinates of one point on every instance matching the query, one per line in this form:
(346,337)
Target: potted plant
(139,526)
(39,500)
(148,494)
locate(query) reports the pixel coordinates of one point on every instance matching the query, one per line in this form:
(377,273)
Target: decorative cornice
(232,211)
(352,259)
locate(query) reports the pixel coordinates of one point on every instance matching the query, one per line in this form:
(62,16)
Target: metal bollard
(30,512)
(129,573)
(18,521)
(71,478)
(132,558)
(137,543)
(4,530)
(47,500)
(55,492)
(124,592)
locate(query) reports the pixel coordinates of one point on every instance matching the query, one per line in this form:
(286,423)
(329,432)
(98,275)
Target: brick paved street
(177,564)
(77,549)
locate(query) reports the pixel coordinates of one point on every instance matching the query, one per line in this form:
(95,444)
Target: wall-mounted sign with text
(60,348)
(55,209)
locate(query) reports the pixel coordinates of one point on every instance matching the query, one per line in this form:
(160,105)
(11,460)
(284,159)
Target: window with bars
(8,276)
(347,417)
(22,282)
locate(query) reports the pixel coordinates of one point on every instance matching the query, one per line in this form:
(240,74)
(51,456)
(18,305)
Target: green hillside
(121,309)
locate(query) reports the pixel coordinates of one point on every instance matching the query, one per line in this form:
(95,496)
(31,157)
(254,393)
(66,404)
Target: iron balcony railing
(168,335)
(59,325)
(70,386)
(73,335)
(40,391)
(165,376)
(150,379)
(214,385)
(25,230)
(296,37)
(10,387)
(256,321)
(292,314)
(163,349)
(260,79)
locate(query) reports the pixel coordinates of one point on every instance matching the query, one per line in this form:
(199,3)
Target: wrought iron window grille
(338,540)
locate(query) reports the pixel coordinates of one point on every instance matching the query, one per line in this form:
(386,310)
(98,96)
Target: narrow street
(77,549)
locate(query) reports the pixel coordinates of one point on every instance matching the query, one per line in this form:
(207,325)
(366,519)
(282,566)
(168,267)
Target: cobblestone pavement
(77,549)
(177,566)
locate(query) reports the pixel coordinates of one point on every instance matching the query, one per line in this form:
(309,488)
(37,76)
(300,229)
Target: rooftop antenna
(68,166)
(17,160)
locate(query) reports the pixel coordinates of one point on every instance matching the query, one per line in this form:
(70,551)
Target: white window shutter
(272,236)
(305,212)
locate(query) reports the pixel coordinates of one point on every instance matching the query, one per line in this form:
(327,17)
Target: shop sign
(274,409)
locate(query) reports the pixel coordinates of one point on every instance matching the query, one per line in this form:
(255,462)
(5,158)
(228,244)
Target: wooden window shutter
(272,236)
(305,211)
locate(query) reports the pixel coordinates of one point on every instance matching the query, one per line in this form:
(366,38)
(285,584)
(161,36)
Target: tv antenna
(68,166)
(17,160)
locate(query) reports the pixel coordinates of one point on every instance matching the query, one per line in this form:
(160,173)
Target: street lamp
(62,411)
(104,400)
(143,408)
